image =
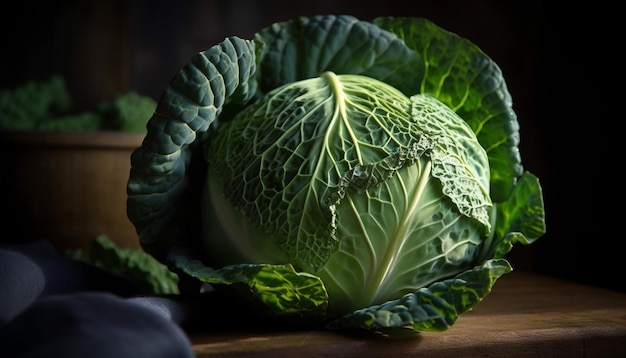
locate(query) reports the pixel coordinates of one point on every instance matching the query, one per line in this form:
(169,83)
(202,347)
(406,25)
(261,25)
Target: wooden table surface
(526,315)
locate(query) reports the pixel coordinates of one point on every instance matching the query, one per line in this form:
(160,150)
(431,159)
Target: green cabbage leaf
(338,173)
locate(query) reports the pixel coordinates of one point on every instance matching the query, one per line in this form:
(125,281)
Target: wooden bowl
(67,188)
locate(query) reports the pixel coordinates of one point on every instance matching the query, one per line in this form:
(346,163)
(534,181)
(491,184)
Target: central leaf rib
(382,278)
(340,104)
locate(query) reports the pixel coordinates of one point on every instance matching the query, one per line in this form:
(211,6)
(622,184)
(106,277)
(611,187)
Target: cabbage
(338,173)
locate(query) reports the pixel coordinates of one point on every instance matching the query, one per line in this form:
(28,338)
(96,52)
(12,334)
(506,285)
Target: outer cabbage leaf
(306,47)
(524,211)
(434,308)
(461,75)
(150,275)
(162,176)
(298,297)
(520,219)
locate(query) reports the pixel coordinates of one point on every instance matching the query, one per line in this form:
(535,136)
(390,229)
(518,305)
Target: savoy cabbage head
(339,173)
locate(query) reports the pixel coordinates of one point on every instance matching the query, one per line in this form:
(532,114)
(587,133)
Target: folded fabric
(53,306)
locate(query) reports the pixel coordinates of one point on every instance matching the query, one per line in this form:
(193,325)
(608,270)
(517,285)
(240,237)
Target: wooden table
(526,315)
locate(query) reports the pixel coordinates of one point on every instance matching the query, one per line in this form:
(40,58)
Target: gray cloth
(52,306)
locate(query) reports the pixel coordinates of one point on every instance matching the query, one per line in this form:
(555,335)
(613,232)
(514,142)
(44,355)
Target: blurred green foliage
(47,105)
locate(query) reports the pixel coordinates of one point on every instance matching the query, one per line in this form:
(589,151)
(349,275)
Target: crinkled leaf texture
(283,292)
(300,298)
(375,192)
(162,177)
(462,76)
(432,308)
(410,54)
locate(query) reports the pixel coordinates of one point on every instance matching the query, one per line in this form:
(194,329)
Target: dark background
(562,66)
